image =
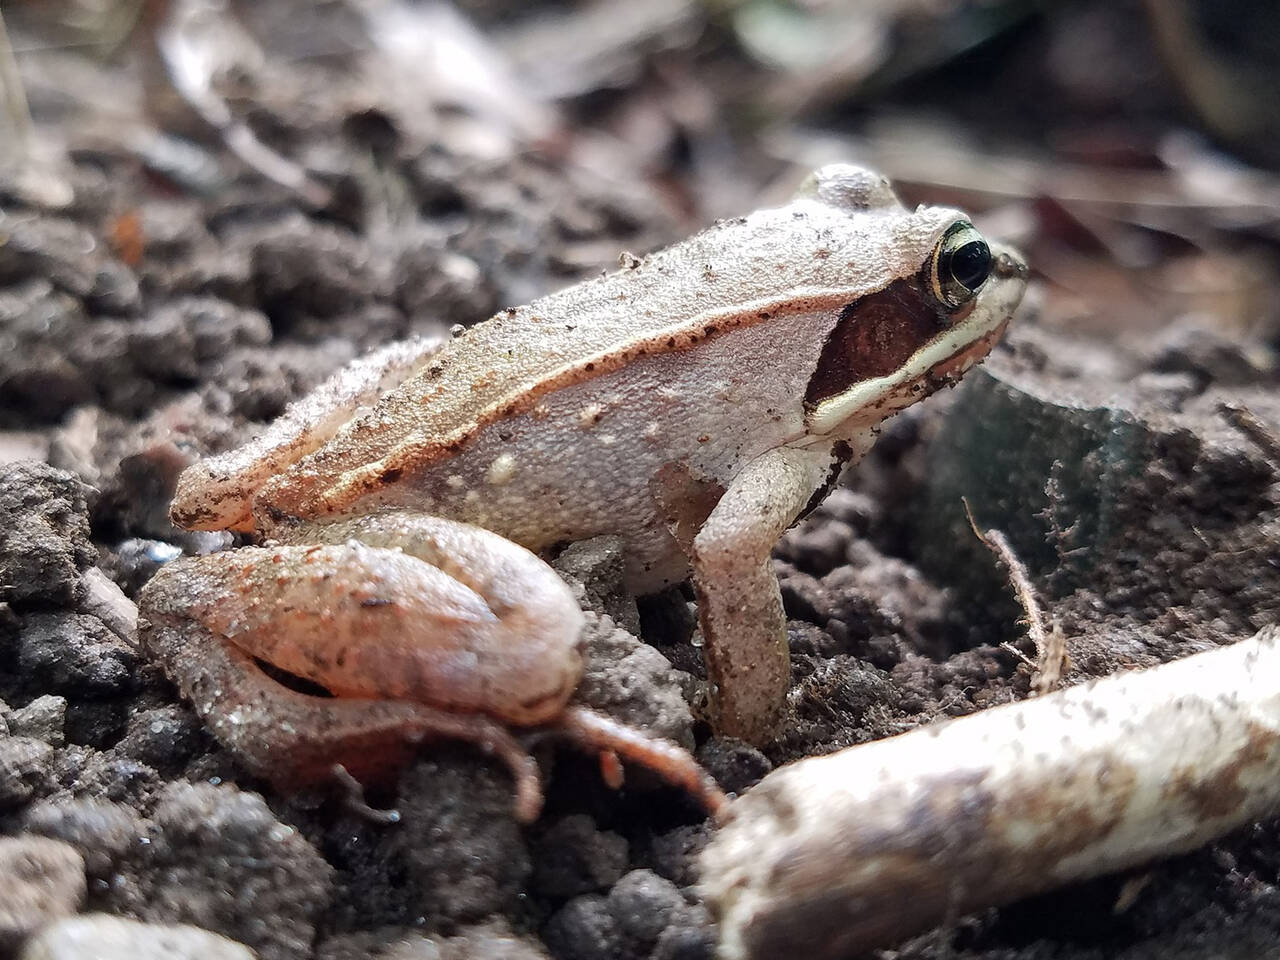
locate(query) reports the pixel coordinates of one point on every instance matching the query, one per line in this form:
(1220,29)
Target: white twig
(833,856)
(103,598)
(197,39)
(1050,643)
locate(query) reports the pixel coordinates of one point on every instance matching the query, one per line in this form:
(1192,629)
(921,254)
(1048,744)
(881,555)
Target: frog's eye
(959,265)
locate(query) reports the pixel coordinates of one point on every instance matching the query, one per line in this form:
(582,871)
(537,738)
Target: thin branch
(1049,641)
(835,856)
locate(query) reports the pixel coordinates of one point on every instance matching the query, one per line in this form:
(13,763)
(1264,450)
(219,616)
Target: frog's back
(812,253)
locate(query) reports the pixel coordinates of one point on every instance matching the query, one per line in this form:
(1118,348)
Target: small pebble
(44,718)
(40,881)
(573,857)
(102,937)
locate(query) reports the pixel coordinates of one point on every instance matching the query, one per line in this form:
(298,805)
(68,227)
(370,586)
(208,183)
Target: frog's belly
(580,464)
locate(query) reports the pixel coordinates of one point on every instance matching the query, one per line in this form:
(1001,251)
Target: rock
(734,764)
(673,854)
(1094,477)
(104,937)
(643,905)
(597,564)
(456,855)
(632,682)
(26,770)
(164,738)
(219,858)
(44,534)
(39,381)
(584,929)
(573,857)
(76,655)
(104,833)
(44,718)
(41,880)
(492,941)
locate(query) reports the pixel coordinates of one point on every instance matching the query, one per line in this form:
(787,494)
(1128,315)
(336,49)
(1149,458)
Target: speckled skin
(664,403)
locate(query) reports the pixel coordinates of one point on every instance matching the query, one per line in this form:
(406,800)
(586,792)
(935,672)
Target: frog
(692,403)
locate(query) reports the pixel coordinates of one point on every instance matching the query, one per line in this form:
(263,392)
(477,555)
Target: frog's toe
(595,731)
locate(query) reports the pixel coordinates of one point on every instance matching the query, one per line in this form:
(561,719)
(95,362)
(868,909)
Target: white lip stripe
(996,302)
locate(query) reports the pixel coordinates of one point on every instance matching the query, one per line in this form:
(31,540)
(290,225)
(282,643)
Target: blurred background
(1127,146)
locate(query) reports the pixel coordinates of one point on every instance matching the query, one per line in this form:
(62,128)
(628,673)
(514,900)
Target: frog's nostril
(1011,265)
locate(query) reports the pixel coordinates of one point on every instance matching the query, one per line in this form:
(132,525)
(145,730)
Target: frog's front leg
(744,630)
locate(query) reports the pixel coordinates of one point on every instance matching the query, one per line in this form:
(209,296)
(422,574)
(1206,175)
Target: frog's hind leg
(293,739)
(594,731)
(217,493)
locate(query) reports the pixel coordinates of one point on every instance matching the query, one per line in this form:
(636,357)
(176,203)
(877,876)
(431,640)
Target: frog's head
(948,299)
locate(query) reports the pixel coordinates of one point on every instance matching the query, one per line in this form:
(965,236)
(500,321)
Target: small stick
(1050,644)
(834,856)
(195,39)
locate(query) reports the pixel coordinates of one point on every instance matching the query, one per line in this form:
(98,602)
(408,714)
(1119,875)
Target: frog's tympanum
(692,403)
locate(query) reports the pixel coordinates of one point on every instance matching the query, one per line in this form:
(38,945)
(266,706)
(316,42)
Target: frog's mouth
(950,370)
(896,347)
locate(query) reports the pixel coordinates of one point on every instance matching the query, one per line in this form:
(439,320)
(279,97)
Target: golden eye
(959,265)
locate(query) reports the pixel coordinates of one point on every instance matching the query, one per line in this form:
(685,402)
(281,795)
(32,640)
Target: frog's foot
(595,731)
(293,739)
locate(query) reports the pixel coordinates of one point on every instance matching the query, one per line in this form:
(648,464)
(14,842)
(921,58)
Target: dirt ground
(161,300)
